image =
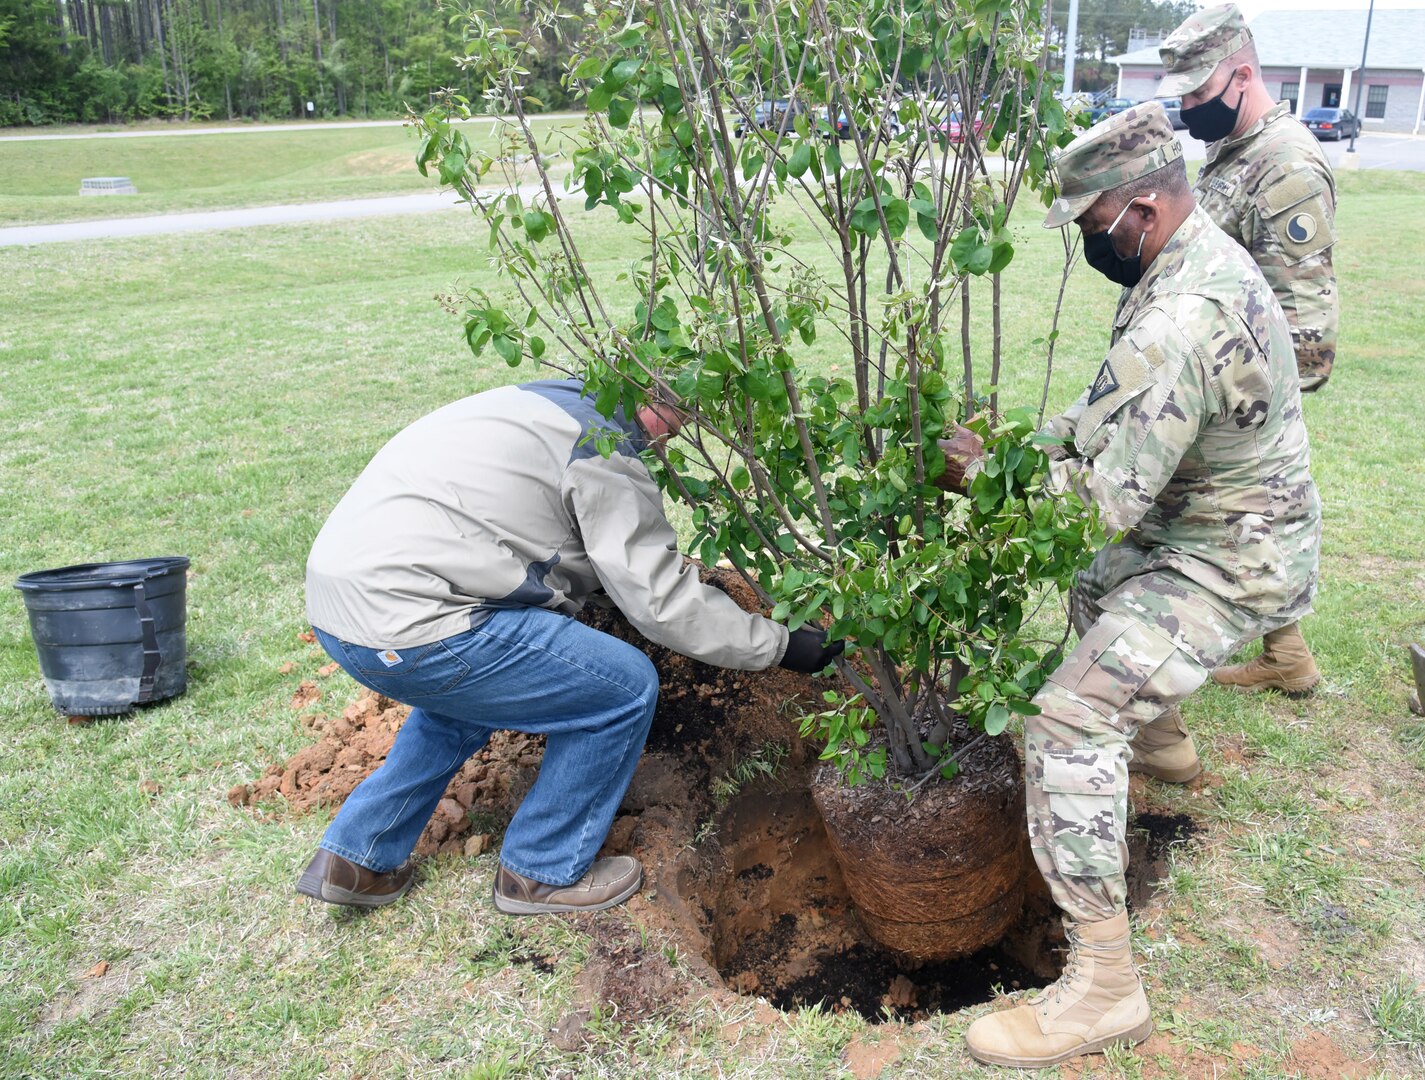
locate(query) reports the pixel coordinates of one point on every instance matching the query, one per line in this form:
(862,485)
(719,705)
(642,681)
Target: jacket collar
(1223,146)
(1164,268)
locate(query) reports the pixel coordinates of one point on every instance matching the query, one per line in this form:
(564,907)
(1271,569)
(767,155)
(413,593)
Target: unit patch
(1104,383)
(1301,228)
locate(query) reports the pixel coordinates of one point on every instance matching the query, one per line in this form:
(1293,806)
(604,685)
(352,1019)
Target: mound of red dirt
(707,717)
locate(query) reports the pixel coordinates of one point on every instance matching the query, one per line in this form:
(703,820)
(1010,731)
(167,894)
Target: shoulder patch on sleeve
(1297,213)
(1124,374)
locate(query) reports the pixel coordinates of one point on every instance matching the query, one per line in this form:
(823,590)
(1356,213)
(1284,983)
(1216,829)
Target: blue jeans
(528,669)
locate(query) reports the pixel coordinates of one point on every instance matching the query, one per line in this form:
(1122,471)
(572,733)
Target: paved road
(105,228)
(247,129)
(1374,151)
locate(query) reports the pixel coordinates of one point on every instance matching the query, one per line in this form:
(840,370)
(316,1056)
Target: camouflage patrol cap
(1113,152)
(1192,52)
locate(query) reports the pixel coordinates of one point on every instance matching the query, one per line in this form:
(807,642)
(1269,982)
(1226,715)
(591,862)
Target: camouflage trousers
(1148,637)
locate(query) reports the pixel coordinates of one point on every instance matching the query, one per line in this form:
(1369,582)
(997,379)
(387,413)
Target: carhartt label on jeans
(389,657)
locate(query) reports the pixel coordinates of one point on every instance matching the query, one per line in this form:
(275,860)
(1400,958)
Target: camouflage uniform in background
(1270,189)
(1190,440)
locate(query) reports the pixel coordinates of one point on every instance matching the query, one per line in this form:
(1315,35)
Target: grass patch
(39,180)
(214,395)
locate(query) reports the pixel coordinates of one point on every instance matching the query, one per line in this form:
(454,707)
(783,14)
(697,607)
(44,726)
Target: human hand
(963,452)
(808,652)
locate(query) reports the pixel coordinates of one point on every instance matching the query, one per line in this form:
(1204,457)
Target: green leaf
(897,213)
(1001,254)
(740,478)
(534,225)
(588,67)
(622,72)
(599,97)
(800,160)
(964,247)
(508,348)
(620,112)
(536,347)
(996,719)
(665,315)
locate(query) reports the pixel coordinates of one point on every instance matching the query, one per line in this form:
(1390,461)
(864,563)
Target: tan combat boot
(1285,665)
(1164,750)
(1097,1002)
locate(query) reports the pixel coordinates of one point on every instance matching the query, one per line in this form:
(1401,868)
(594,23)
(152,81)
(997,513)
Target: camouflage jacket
(1191,439)
(1272,191)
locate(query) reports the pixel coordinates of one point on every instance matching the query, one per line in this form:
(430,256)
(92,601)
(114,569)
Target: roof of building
(1326,39)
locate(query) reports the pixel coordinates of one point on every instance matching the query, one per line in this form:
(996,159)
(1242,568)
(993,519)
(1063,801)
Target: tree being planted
(900,135)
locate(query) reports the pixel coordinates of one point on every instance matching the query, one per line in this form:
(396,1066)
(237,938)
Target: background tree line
(1104,28)
(115,60)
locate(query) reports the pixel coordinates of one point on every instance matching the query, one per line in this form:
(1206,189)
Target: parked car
(1333,123)
(1174,108)
(950,128)
(775,114)
(1110,107)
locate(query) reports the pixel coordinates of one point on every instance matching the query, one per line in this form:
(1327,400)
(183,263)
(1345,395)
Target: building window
(1289,90)
(1375,102)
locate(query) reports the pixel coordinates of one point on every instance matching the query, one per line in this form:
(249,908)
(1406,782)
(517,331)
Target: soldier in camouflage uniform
(1190,442)
(1266,183)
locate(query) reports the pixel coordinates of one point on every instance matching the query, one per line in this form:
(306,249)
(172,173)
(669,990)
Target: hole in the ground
(778,922)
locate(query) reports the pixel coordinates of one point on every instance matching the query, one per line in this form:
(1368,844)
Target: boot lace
(1055,992)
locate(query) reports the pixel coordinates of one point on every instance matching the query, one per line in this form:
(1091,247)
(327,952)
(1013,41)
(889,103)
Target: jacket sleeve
(1066,423)
(1130,439)
(1290,231)
(618,510)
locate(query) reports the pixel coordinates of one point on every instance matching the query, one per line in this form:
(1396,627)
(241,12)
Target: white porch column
(1346,88)
(1420,109)
(1301,95)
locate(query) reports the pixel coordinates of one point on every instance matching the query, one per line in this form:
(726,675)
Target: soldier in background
(1267,184)
(1190,441)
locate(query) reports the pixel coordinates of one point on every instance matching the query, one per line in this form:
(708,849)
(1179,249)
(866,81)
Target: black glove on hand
(808,652)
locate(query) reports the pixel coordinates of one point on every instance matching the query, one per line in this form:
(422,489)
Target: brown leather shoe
(336,880)
(609,881)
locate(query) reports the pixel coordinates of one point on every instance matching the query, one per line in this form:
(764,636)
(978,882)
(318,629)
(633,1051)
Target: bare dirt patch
(744,887)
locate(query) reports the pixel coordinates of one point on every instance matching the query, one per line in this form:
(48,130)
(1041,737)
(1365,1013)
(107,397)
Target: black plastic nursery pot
(109,635)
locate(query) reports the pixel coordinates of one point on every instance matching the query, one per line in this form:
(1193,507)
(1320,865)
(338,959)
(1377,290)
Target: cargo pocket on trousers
(1111,663)
(1081,788)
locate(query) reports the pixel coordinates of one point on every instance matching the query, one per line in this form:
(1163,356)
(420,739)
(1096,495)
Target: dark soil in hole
(875,983)
(748,892)
(1151,835)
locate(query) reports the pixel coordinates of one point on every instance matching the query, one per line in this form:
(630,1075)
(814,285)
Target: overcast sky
(1252,8)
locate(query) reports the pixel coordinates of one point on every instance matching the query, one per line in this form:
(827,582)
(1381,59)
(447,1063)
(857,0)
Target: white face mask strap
(1130,202)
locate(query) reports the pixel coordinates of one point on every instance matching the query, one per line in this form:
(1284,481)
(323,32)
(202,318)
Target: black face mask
(1100,253)
(1215,119)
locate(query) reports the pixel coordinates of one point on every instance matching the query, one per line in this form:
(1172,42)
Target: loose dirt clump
(353,745)
(740,879)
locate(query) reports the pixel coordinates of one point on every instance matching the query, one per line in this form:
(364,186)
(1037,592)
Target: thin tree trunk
(106,34)
(157,11)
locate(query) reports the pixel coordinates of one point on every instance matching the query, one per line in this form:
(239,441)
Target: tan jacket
(501,500)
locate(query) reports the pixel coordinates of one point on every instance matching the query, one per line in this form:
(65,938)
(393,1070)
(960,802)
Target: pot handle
(151,655)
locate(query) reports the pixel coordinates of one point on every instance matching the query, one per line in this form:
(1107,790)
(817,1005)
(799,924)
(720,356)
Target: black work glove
(808,652)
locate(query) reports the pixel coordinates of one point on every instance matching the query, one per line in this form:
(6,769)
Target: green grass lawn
(39,181)
(214,395)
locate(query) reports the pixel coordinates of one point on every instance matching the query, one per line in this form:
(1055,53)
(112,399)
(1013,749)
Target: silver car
(1173,107)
